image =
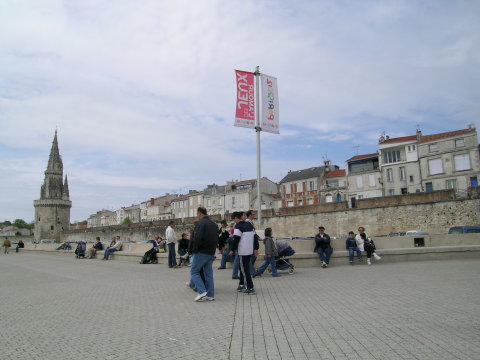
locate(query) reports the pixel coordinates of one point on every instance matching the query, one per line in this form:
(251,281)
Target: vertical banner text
(245,104)
(270,121)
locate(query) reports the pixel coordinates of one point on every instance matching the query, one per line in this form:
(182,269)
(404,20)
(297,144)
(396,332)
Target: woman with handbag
(365,243)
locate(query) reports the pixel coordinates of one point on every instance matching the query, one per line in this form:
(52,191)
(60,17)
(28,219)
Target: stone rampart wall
(434,217)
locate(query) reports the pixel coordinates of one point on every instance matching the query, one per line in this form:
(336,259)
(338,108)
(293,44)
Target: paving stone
(62,308)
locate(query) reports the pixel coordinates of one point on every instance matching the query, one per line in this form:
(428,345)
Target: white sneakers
(376,256)
(369,262)
(201,296)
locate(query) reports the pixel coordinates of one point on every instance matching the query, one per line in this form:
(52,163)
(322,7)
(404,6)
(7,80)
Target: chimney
(419,134)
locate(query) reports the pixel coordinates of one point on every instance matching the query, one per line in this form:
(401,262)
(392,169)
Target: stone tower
(52,210)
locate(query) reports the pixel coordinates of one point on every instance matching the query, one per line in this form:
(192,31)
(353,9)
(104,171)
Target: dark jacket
(350,243)
(98,246)
(322,242)
(205,237)
(223,235)
(183,245)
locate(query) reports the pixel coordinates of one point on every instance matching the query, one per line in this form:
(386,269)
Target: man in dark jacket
(205,240)
(323,247)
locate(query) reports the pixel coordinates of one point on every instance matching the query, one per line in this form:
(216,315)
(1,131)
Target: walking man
(245,240)
(171,239)
(204,244)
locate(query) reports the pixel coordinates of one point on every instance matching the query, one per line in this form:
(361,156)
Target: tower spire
(66,192)
(55,164)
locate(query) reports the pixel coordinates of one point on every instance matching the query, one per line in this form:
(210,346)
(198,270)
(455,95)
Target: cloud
(143,92)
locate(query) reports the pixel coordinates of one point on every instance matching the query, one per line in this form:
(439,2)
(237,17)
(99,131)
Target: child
(270,253)
(351,245)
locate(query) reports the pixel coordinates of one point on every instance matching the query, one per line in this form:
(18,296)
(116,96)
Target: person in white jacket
(365,243)
(171,239)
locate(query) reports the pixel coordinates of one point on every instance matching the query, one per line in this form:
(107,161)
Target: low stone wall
(401,248)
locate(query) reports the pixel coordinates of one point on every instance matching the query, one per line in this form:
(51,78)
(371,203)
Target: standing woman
(365,243)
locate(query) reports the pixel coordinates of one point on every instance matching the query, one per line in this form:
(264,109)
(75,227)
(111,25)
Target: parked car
(464,229)
(415,233)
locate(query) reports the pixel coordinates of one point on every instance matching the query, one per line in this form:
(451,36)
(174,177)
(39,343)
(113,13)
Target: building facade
(52,210)
(449,160)
(363,178)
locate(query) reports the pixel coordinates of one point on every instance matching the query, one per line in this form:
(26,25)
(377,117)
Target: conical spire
(55,164)
(66,193)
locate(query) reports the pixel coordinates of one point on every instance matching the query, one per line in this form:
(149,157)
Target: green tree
(21,224)
(127,221)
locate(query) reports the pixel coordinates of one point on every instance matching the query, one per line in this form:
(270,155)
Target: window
(220,201)
(391,157)
(403,191)
(389,175)
(310,201)
(359,181)
(213,202)
(429,187)
(432,147)
(459,143)
(462,162)
(411,178)
(371,179)
(332,183)
(403,176)
(233,201)
(208,202)
(300,187)
(451,184)
(391,192)
(311,185)
(435,166)
(300,202)
(190,201)
(328,198)
(290,203)
(411,148)
(287,189)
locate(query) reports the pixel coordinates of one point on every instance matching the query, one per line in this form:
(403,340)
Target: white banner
(270,121)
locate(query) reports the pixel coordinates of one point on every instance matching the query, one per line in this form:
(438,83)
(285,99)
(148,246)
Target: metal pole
(258,129)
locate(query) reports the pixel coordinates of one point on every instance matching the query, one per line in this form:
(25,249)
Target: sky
(142,92)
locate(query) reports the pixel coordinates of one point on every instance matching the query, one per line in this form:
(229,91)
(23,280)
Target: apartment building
(363,178)
(334,186)
(399,165)
(242,195)
(449,160)
(214,199)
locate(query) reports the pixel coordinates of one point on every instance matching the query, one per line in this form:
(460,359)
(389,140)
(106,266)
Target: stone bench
(134,252)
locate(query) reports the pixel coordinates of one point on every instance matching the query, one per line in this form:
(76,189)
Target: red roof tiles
(444,135)
(335,173)
(365,156)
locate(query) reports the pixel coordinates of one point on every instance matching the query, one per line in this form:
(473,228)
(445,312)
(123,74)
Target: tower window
(51,227)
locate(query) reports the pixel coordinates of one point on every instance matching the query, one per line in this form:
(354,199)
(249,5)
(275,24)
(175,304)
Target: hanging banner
(245,109)
(270,121)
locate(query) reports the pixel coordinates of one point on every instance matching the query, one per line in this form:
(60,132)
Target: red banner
(245,109)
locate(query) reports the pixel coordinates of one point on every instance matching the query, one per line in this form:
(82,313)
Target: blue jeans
(325,254)
(107,252)
(351,251)
(225,258)
(203,262)
(268,261)
(172,261)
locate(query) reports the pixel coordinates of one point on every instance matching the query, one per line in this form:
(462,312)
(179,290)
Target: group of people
(240,244)
(7,245)
(355,244)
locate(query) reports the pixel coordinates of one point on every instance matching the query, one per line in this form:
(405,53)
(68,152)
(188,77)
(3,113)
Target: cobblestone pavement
(57,307)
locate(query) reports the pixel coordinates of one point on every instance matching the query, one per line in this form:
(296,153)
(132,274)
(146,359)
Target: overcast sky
(143,92)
